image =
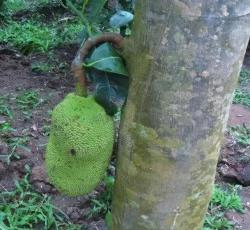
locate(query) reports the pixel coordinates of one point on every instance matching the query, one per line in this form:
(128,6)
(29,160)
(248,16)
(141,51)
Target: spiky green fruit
(80,145)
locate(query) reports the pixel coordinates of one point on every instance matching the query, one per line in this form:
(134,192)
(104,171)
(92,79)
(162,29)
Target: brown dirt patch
(239,115)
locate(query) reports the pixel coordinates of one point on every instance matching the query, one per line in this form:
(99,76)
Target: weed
(222,201)
(14,143)
(33,37)
(13,6)
(42,67)
(102,205)
(4,108)
(45,130)
(241,97)
(5,127)
(227,199)
(241,134)
(25,209)
(47,67)
(68,32)
(241,94)
(244,76)
(217,221)
(28,37)
(28,100)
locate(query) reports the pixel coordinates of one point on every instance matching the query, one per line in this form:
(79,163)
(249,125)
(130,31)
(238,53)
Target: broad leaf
(110,90)
(106,58)
(95,7)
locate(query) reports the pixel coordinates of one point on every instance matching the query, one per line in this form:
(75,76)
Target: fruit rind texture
(80,145)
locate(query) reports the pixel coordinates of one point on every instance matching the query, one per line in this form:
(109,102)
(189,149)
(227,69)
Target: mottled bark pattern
(184,58)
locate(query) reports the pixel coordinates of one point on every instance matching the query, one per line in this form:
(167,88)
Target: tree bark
(184,57)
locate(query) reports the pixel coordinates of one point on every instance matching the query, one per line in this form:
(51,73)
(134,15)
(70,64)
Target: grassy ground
(242,94)
(23,208)
(223,200)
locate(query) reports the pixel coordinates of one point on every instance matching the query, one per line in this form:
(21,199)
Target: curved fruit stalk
(77,67)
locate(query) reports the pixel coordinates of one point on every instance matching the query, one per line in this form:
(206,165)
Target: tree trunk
(184,57)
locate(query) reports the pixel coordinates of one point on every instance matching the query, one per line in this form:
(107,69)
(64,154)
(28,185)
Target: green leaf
(95,7)
(110,90)
(105,58)
(108,220)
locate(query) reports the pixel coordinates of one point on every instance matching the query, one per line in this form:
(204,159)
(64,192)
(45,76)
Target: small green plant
(241,94)
(244,76)
(34,37)
(12,6)
(227,199)
(222,201)
(14,143)
(28,100)
(42,67)
(5,127)
(102,205)
(45,130)
(4,108)
(241,134)
(67,32)
(25,209)
(241,97)
(216,221)
(27,36)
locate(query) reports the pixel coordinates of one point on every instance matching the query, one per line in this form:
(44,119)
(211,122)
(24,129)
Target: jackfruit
(80,145)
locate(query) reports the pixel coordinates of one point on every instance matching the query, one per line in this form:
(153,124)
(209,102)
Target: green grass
(31,36)
(45,130)
(28,37)
(241,94)
(216,221)
(241,134)
(42,67)
(241,97)
(13,6)
(4,108)
(5,127)
(102,204)
(227,199)
(25,209)
(28,100)
(244,76)
(222,201)
(13,142)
